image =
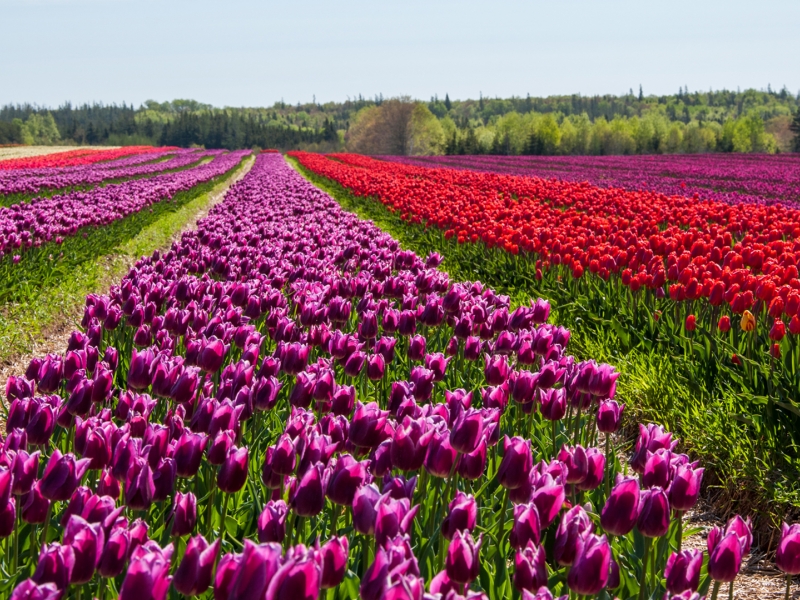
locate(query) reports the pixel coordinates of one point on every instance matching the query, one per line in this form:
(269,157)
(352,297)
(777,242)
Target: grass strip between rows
(655,385)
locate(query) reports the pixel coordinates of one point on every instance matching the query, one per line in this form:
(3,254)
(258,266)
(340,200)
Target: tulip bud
(527,527)
(462,515)
(609,415)
(233,473)
(346,477)
(621,511)
(332,557)
(683,571)
(516,464)
(297,579)
(365,503)
(87,543)
(654,513)
(307,494)
(463,563)
(787,557)
(575,524)
(724,555)
(184,514)
(591,568)
(272,522)
(55,565)
(193,576)
(530,568)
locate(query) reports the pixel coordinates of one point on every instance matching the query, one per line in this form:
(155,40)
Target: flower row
(71,158)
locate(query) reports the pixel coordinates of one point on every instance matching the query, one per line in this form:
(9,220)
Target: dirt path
(55,338)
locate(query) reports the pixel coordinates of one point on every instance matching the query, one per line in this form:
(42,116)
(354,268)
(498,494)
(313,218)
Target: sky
(257,52)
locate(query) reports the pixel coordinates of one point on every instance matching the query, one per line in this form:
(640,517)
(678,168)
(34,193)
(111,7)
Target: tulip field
(287,404)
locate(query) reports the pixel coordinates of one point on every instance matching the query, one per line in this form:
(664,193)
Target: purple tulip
(297,579)
(332,557)
(392,518)
(441,456)
(307,494)
(147,577)
(189,453)
(651,438)
(596,462)
(437,364)
(530,568)
(654,513)
(471,466)
(467,430)
(787,557)
(368,425)
(184,514)
(590,570)
(553,403)
(742,528)
(683,571)
(233,474)
(87,543)
(365,509)
(115,553)
(343,400)
(62,475)
(139,486)
(211,355)
(272,522)
(416,348)
(684,490)
(193,576)
(422,382)
(55,565)
(517,463)
(346,477)
(575,524)
(724,555)
(284,456)
(8,517)
(496,369)
(657,469)
(256,568)
(609,415)
(463,563)
(621,511)
(30,590)
(410,443)
(34,506)
(139,372)
(526,527)
(24,469)
(462,515)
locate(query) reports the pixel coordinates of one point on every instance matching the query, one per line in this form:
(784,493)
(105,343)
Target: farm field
(432,383)
(732,178)
(26,151)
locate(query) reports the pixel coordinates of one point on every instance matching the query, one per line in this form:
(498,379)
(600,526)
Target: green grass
(60,304)
(746,470)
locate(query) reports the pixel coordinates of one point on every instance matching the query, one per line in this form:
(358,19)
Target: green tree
(795,127)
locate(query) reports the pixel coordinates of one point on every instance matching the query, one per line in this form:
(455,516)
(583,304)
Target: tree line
(686,122)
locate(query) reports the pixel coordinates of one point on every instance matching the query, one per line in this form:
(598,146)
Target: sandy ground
(26,151)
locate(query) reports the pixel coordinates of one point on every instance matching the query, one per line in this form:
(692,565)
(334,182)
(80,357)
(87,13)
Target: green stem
(222,527)
(715,591)
(788,586)
(730,591)
(679,516)
(334,519)
(645,561)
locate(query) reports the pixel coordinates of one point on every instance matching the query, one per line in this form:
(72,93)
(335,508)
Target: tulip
(527,527)
(367,428)
(62,475)
(654,513)
(410,444)
(463,563)
(621,510)
(548,498)
(724,555)
(297,579)
(55,565)
(255,570)
(211,355)
(108,486)
(462,515)
(437,364)
(609,415)
(691,323)
(683,571)
(422,381)
(365,507)
(233,473)
(392,518)
(576,461)
(24,469)
(139,372)
(657,469)
(115,553)
(496,369)
(743,529)
(193,576)
(471,466)
(87,543)
(332,557)
(575,524)
(441,456)
(30,590)
(184,513)
(220,447)
(516,464)
(398,487)
(416,348)
(284,456)
(684,490)
(8,517)
(748,322)
(530,568)
(147,577)
(346,477)
(307,494)
(466,431)
(139,486)
(591,568)
(553,403)
(189,453)
(34,507)
(787,557)
(354,363)
(272,522)
(343,400)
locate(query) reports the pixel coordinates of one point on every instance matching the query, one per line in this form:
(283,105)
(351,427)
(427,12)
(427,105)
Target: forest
(752,120)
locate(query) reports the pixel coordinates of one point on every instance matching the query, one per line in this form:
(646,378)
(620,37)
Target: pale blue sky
(255,52)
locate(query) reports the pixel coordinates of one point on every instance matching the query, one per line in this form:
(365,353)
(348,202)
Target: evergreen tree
(641,95)
(447,104)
